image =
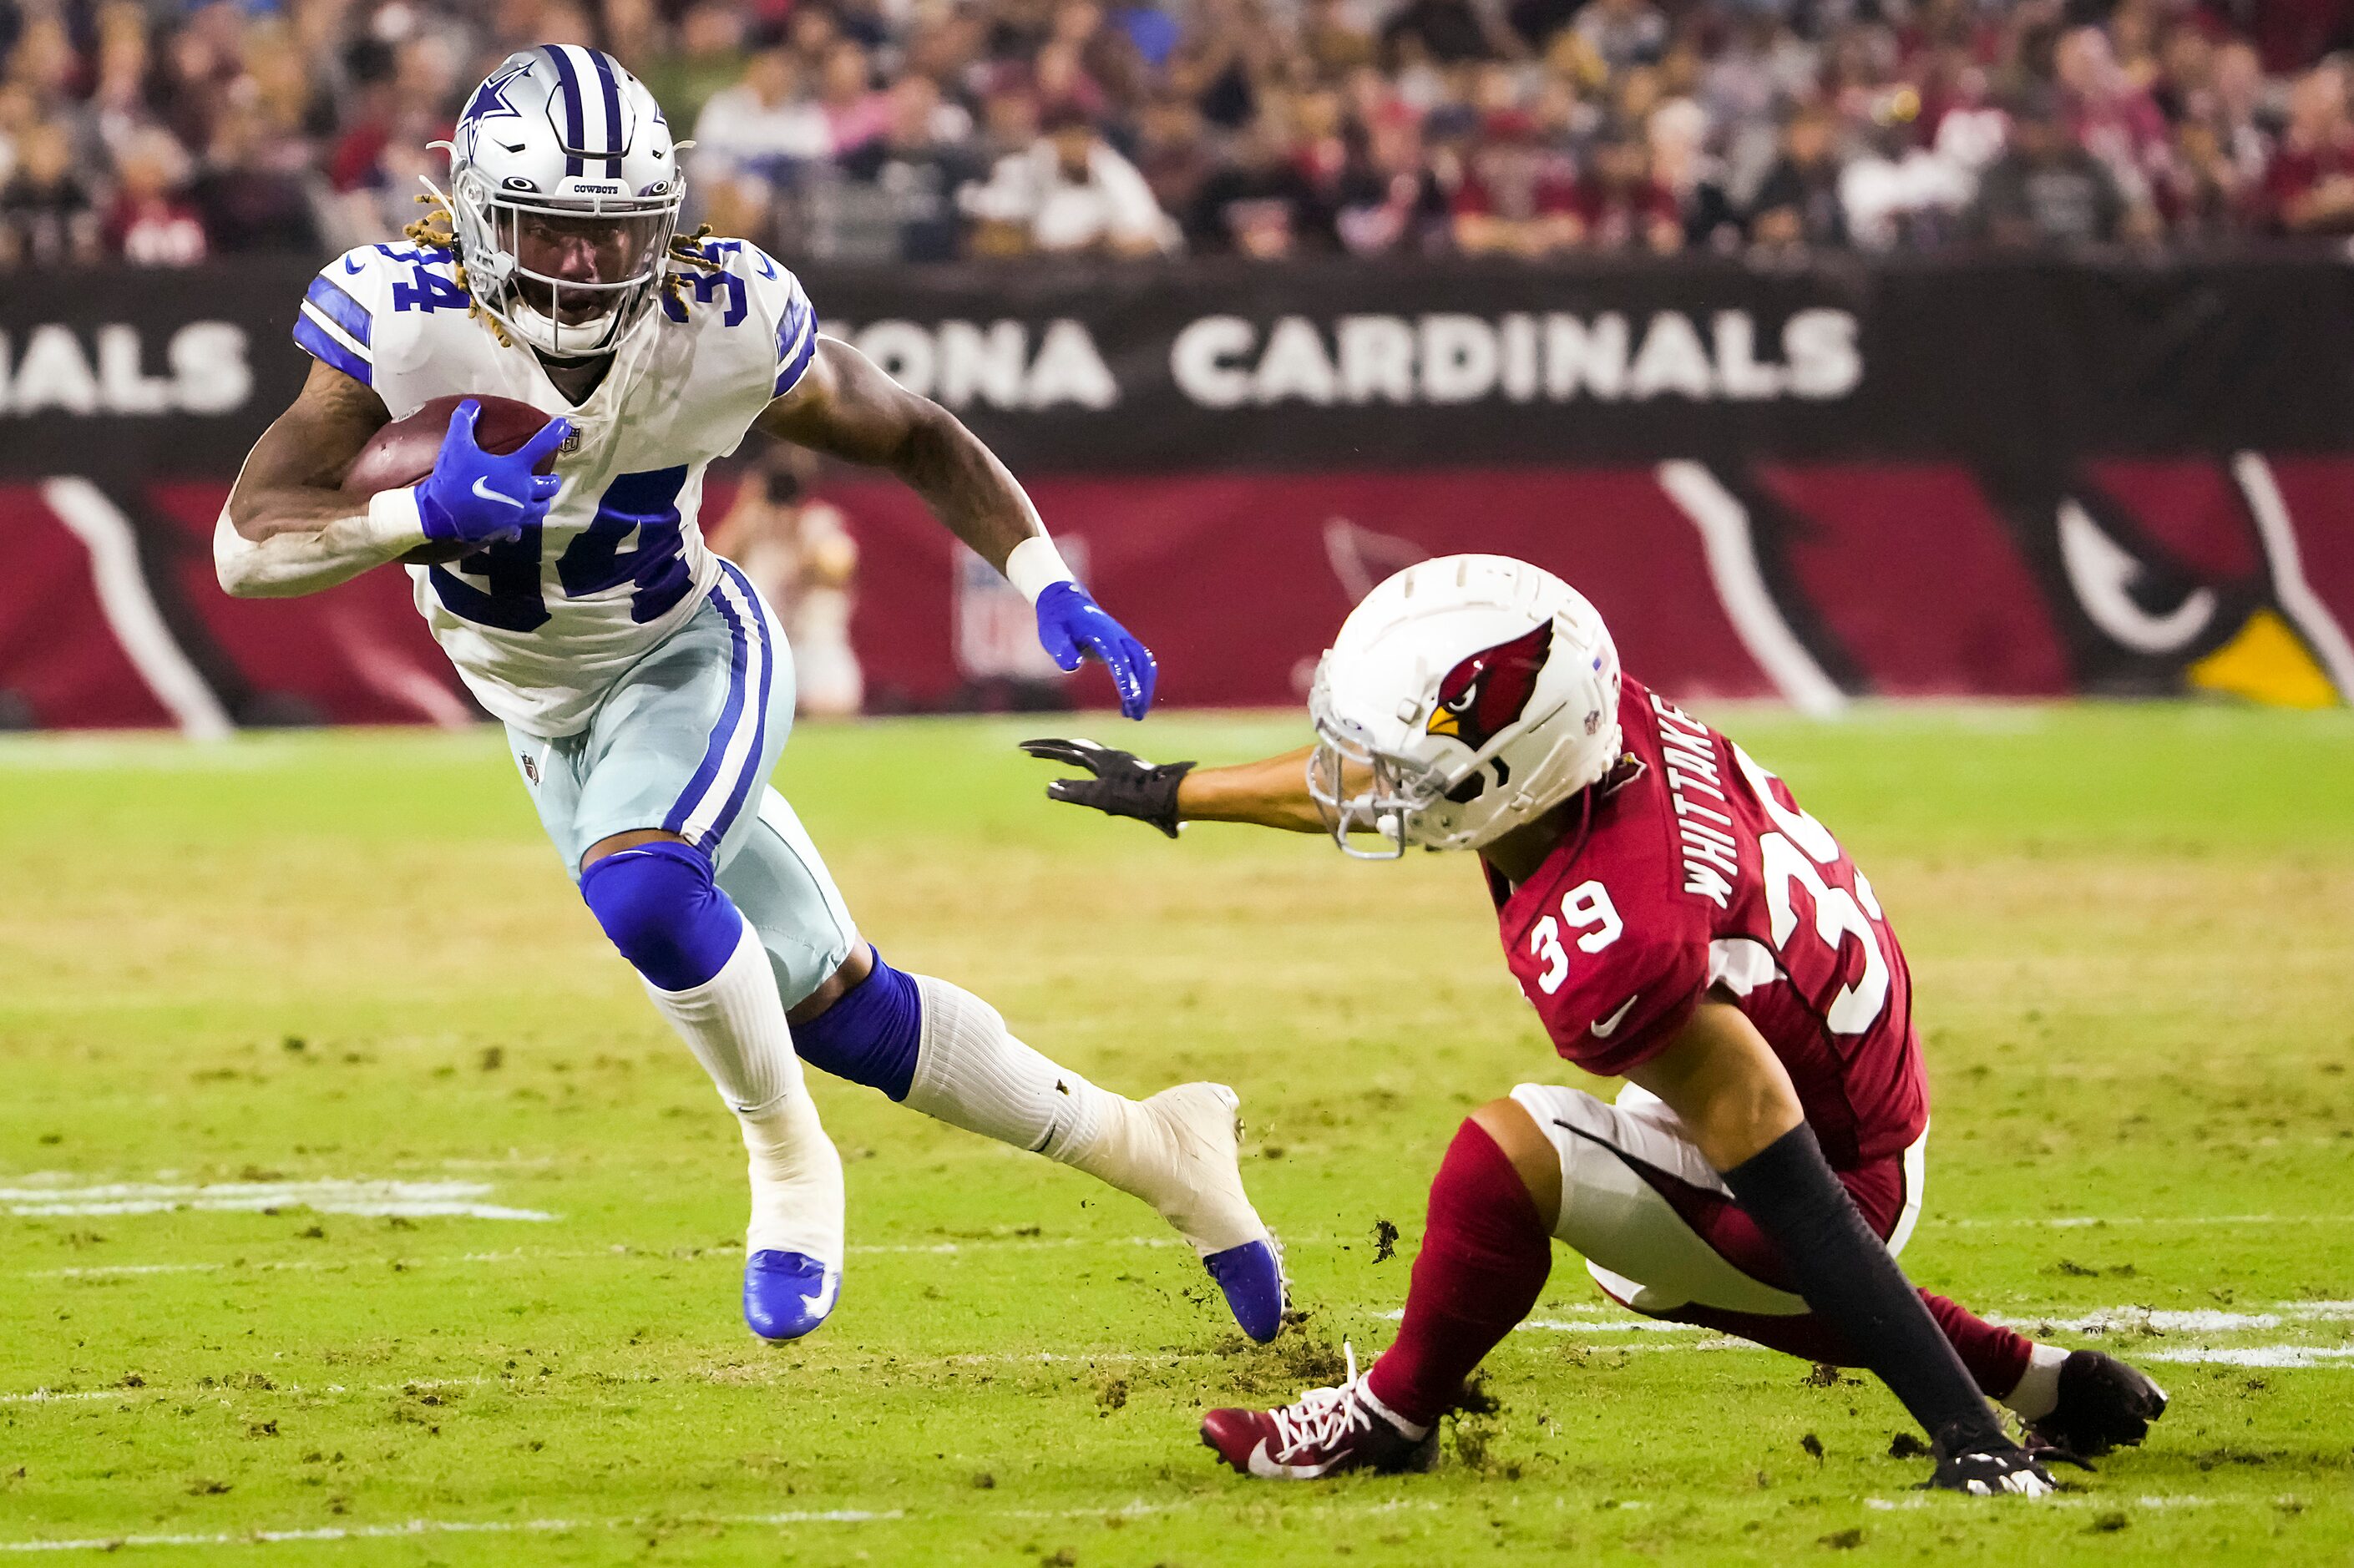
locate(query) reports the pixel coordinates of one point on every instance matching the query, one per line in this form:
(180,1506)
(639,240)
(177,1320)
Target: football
(402,453)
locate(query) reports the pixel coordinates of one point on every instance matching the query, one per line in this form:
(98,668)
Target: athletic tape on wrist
(393,516)
(1036,566)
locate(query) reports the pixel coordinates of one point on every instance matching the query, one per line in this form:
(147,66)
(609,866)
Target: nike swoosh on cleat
(494,495)
(1605,1028)
(1268,1470)
(822,1303)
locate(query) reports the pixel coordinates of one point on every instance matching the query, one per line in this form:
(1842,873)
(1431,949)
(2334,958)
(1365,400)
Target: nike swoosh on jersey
(494,495)
(352,267)
(1603,1028)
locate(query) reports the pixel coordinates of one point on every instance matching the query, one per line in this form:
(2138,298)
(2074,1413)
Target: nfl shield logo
(530,769)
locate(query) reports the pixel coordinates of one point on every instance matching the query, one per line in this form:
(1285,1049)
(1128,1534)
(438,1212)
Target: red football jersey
(1701,871)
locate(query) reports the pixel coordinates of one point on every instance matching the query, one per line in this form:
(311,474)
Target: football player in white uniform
(646,687)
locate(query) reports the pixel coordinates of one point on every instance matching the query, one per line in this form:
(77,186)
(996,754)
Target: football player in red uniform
(1680,921)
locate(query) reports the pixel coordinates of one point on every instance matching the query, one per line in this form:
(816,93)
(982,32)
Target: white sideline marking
(434,1527)
(930,1249)
(1931,1499)
(1135,1509)
(2256,1356)
(411,1200)
(942,1249)
(2197,1321)
(152,1390)
(129,607)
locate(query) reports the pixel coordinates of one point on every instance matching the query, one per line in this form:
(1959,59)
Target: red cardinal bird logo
(1490,689)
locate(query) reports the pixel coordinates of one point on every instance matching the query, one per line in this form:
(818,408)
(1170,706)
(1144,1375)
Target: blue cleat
(1252,1276)
(788,1294)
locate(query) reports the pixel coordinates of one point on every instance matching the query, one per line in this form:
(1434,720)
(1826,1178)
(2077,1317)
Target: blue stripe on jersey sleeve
(340,308)
(319,345)
(796,341)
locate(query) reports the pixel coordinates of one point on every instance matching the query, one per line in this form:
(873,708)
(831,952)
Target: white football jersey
(540,628)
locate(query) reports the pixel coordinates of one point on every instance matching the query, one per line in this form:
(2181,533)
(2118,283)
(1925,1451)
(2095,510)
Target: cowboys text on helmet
(1465,696)
(564,191)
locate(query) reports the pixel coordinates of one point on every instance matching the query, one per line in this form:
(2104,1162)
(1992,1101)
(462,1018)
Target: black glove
(1124,784)
(2007,1471)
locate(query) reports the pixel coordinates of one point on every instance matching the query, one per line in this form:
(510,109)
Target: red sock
(1484,1258)
(1995,1357)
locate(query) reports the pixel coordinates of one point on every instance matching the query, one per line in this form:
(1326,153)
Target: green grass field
(352,958)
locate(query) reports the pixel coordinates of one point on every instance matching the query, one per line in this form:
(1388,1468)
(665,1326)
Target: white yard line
(923,1249)
(437,1527)
(411,1200)
(1930,1499)
(1134,1509)
(2282,1356)
(2132,1319)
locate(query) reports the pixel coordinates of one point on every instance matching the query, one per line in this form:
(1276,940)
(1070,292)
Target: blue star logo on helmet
(490,99)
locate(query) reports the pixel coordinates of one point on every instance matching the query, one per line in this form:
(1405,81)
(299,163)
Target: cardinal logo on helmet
(1489,691)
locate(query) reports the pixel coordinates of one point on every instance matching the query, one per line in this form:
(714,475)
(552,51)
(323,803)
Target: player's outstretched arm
(1719,1075)
(1271,793)
(845,406)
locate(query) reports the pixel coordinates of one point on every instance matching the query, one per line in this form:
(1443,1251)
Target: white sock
(797,1199)
(971,1073)
(2038,1393)
(734,1022)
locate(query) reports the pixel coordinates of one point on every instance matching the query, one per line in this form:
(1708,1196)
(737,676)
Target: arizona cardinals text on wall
(1221,362)
(61,371)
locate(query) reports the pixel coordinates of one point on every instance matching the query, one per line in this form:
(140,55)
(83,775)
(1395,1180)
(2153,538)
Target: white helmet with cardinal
(1465,696)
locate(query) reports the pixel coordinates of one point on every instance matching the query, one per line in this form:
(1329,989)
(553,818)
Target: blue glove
(1071,623)
(474,497)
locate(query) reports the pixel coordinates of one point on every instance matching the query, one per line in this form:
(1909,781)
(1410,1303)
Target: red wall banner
(1819,482)
(1902,579)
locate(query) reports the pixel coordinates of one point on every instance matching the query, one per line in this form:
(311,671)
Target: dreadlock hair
(437,230)
(685,251)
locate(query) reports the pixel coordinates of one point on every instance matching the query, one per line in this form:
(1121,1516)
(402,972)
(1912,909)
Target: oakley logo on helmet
(1489,691)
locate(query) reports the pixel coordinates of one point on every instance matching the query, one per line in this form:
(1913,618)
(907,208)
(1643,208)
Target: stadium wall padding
(1819,480)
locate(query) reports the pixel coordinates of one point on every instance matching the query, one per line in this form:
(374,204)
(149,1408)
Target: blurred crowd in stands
(162,132)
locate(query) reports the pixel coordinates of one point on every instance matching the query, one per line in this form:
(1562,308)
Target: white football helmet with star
(564,190)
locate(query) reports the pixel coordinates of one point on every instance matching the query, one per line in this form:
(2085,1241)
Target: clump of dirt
(1473,1428)
(1904,1446)
(1385,1235)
